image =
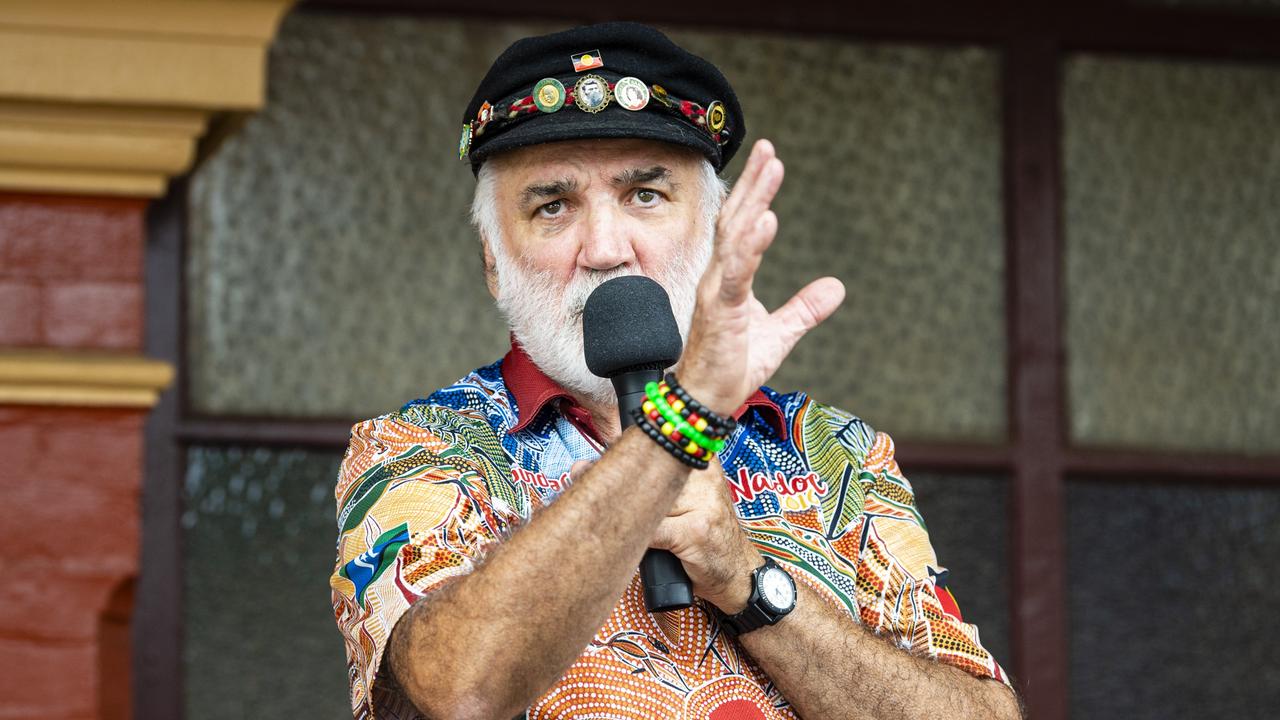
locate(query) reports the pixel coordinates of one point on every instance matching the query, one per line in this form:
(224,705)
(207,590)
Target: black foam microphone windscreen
(627,323)
(630,336)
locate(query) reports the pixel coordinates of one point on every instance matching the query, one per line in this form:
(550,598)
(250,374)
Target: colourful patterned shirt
(424,492)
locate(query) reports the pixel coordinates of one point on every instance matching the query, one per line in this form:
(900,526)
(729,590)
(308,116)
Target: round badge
(592,94)
(485,113)
(464,144)
(548,95)
(631,93)
(715,117)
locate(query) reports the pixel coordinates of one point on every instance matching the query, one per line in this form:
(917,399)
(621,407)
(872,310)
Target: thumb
(808,308)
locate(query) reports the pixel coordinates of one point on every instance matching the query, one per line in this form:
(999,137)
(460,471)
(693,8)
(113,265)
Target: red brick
(51,606)
(47,680)
(20,312)
(20,450)
(71,238)
(72,525)
(70,481)
(109,452)
(93,315)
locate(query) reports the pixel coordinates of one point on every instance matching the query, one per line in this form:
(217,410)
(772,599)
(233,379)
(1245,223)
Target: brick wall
(70,478)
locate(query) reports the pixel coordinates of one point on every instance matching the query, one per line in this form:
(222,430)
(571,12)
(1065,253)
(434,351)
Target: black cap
(690,102)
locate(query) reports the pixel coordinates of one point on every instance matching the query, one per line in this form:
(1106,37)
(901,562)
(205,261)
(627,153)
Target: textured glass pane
(1173,267)
(329,243)
(968,525)
(331,268)
(258,541)
(893,185)
(1172,596)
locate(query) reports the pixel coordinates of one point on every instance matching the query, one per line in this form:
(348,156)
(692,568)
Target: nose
(606,240)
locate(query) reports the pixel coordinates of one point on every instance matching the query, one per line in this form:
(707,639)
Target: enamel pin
(631,93)
(548,95)
(588,61)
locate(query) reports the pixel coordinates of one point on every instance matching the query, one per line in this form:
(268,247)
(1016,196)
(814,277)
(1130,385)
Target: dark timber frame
(1033,38)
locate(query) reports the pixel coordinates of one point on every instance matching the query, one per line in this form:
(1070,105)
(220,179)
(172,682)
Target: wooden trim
(323,433)
(1038,544)
(157,619)
(1173,466)
(110,98)
(82,182)
(195,53)
(953,457)
(1090,25)
(103,138)
(1118,27)
(81,379)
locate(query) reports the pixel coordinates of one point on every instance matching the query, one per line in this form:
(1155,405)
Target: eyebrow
(552,189)
(642,176)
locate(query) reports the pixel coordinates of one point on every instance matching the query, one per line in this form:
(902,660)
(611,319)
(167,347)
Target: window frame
(1038,458)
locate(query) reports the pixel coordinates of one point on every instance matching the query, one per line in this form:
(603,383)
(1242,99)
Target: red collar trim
(533,390)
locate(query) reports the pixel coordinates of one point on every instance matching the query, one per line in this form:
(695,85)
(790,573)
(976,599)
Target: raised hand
(735,344)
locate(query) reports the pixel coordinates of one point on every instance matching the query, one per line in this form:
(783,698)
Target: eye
(552,209)
(647,198)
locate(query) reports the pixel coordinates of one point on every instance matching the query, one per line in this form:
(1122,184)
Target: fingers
(755,189)
(808,308)
(741,263)
(761,153)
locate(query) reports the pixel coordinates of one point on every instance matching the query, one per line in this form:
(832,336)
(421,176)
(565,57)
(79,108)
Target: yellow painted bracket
(110,98)
(70,379)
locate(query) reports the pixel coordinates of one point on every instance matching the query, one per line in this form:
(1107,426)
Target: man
(489,534)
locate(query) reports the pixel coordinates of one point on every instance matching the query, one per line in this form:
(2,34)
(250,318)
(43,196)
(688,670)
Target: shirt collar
(532,391)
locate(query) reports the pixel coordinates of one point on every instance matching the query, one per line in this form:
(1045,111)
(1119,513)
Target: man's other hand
(702,530)
(735,343)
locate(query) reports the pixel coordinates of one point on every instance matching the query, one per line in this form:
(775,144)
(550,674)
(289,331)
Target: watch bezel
(769,568)
(760,611)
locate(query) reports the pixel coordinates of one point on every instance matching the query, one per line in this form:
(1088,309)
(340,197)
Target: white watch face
(777,589)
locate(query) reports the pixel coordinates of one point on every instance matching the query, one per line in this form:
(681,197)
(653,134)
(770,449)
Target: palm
(736,344)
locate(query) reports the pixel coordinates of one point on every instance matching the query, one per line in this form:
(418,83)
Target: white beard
(546,317)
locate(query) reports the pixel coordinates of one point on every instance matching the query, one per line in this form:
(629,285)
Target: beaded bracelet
(717,426)
(642,422)
(675,427)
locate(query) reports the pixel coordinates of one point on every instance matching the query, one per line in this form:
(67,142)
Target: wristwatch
(773,595)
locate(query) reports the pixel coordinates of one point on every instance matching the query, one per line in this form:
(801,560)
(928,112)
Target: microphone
(630,336)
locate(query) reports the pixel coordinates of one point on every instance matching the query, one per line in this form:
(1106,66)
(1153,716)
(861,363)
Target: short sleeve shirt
(424,493)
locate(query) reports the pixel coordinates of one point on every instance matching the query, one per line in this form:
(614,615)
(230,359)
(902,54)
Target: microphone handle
(666,584)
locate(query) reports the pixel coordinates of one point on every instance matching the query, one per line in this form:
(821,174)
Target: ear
(490,268)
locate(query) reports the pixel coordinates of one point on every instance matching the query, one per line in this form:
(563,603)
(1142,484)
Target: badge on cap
(591,93)
(715,117)
(485,114)
(660,94)
(548,95)
(588,61)
(464,145)
(631,93)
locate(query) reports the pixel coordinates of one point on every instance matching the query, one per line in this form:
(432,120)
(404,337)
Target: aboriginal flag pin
(588,61)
